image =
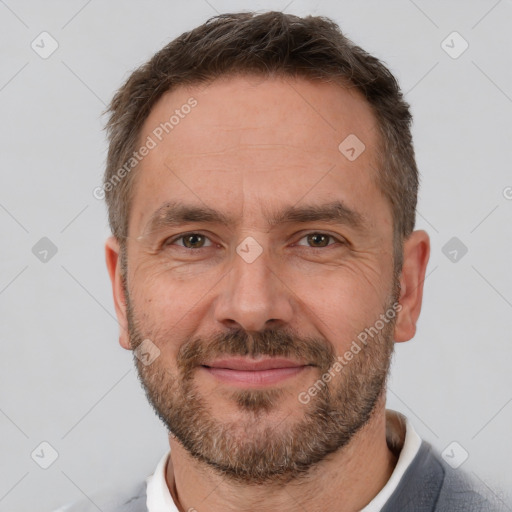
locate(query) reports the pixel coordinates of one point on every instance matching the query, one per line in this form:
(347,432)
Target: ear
(113,260)
(416,255)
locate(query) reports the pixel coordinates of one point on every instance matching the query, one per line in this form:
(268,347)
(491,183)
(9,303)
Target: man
(261,187)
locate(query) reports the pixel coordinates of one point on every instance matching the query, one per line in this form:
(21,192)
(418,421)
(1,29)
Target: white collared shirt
(159,498)
(410,448)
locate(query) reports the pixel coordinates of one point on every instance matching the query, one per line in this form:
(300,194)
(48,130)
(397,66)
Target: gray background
(64,378)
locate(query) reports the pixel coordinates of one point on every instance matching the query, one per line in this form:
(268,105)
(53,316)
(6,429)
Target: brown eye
(318,239)
(191,241)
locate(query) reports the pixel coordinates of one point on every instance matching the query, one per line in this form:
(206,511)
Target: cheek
(341,302)
(166,298)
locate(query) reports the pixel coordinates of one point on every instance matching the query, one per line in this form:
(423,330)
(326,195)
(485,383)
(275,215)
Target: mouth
(254,373)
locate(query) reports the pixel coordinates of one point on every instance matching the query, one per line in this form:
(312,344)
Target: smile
(254,373)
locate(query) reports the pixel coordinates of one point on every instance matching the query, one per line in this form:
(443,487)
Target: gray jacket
(428,485)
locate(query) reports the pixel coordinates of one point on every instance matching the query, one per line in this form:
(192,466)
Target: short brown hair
(312,47)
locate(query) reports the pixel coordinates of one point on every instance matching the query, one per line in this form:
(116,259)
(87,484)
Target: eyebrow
(172,214)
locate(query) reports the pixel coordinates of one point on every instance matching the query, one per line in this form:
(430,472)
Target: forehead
(280,110)
(248,144)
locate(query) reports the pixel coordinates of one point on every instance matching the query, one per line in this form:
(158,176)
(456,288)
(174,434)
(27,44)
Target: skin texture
(249,149)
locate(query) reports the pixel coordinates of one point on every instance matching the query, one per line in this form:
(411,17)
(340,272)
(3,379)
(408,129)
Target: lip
(250,372)
(246,364)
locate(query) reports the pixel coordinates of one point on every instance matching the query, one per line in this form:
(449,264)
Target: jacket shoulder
(131,498)
(462,492)
(431,485)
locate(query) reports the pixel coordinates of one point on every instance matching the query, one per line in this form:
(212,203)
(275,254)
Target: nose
(253,296)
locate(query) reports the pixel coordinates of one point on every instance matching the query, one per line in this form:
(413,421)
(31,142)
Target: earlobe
(113,261)
(416,256)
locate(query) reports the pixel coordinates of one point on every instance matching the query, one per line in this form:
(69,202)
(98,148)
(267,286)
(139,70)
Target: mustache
(271,343)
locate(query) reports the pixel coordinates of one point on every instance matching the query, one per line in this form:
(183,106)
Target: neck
(346,481)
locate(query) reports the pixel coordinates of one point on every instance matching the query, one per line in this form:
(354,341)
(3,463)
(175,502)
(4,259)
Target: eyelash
(184,235)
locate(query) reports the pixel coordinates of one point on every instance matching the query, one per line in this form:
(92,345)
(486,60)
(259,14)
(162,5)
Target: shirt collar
(403,441)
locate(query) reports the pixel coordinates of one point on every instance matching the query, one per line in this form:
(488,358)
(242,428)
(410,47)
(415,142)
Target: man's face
(277,279)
